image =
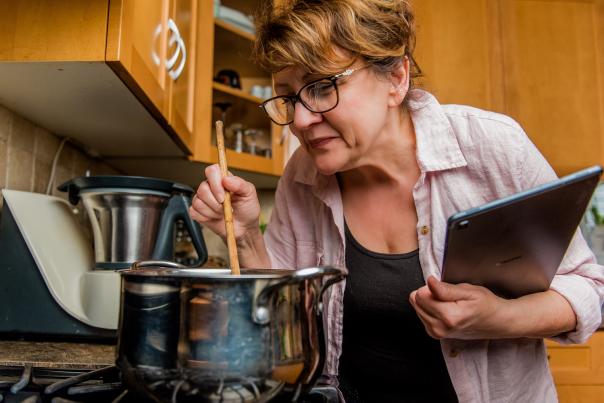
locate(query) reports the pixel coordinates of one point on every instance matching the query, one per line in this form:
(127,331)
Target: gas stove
(29,384)
(32,385)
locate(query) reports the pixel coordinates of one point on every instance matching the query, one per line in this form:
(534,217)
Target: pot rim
(208,273)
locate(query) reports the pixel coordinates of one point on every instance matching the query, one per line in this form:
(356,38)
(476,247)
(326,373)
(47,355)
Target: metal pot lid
(76,185)
(221,274)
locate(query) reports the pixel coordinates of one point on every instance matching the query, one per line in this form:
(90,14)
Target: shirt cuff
(584,301)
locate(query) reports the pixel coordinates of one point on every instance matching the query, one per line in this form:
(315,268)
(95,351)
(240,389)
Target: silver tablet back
(514,245)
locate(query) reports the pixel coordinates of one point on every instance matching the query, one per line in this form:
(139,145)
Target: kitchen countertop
(56,354)
(62,354)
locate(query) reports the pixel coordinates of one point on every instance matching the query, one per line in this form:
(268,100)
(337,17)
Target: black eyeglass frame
(295,98)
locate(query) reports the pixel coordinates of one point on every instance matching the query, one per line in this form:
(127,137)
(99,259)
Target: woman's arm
(580,279)
(569,311)
(464,311)
(252,250)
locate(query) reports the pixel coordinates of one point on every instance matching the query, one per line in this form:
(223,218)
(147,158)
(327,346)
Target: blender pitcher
(133,218)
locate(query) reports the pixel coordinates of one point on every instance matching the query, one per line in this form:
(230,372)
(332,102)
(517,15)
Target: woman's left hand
(458,311)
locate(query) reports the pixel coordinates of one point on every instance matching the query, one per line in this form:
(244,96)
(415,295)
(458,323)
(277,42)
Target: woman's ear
(399,78)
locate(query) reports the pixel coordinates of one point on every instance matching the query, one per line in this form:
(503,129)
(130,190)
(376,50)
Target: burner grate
(32,385)
(29,384)
(178,387)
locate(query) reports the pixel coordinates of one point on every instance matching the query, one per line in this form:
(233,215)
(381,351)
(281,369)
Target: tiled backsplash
(27,152)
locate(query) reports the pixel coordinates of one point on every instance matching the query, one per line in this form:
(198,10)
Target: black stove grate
(30,384)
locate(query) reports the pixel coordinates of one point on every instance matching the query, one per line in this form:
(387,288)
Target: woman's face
(345,137)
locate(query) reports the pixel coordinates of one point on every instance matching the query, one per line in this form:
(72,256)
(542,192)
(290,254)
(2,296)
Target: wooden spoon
(226,206)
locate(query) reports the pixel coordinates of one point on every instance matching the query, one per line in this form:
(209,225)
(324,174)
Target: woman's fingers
(204,206)
(431,324)
(214,180)
(205,195)
(418,303)
(239,187)
(218,185)
(197,216)
(426,301)
(448,292)
(207,204)
(203,212)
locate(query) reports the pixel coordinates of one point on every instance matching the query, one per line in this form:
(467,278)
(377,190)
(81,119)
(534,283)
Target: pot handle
(261,312)
(336,276)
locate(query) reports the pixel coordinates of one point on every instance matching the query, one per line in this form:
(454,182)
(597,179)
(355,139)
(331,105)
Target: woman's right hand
(207,204)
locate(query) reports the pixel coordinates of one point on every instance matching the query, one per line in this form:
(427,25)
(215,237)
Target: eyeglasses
(317,96)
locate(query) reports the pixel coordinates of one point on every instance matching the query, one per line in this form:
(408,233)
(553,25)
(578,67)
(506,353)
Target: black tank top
(387,355)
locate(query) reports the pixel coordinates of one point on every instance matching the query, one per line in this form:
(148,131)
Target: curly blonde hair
(309,33)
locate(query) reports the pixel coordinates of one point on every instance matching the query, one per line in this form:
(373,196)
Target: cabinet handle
(175,38)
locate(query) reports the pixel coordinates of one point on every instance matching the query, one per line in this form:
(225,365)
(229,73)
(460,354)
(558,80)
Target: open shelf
(232,46)
(243,160)
(234,29)
(241,110)
(245,6)
(261,150)
(236,93)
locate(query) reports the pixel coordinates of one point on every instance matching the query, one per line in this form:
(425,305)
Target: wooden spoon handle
(226,206)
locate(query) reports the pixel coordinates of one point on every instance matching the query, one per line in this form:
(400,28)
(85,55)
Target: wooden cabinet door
(553,63)
(181,67)
(578,370)
(141,47)
(53,30)
(457,45)
(155,43)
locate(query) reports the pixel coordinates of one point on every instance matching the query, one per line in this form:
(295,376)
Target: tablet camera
(463,224)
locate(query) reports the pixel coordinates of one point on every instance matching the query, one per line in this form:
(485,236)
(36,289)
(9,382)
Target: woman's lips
(318,143)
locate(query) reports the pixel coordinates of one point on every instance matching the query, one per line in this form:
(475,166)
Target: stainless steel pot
(206,335)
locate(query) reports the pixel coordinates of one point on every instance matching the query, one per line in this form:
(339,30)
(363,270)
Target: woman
(381,168)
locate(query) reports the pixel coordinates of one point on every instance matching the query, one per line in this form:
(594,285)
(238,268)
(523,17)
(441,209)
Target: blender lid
(76,185)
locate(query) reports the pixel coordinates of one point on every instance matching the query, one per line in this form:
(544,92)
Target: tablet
(514,245)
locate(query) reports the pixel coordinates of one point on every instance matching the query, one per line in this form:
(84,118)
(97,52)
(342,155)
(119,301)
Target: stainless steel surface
(213,332)
(124,223)
(514,245)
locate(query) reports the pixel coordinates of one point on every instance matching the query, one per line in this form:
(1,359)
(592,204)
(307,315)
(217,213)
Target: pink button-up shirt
(467,157)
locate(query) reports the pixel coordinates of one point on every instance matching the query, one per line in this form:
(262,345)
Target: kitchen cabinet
(538,61)
(457,51)
(553,58)
(131,81)
(137,43)
(183,70)
(97,71)
(578,370)
(224,46)
(155,43)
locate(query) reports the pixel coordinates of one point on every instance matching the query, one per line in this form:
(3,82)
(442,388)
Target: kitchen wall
(27,152)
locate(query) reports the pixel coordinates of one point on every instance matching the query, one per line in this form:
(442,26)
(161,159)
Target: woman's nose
(303,118)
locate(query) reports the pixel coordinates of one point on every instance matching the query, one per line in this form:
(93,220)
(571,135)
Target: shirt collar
(437,145)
